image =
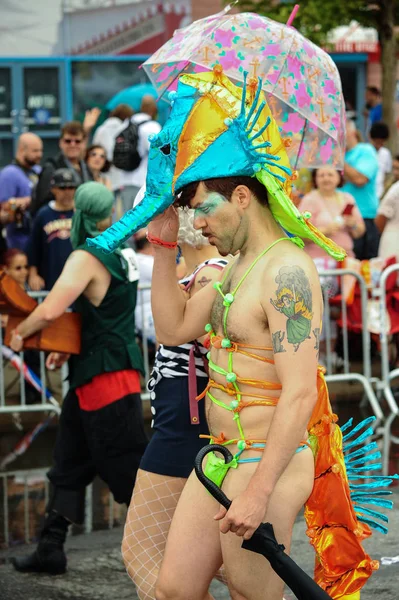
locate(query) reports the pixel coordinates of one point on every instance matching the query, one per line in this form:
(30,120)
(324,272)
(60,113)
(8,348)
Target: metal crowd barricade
(365,376)
(44,405)
(387,376)
(23,475)
(30,528)
(52,407)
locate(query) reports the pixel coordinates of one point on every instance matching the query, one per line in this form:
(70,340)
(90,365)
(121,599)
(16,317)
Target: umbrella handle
(210,485)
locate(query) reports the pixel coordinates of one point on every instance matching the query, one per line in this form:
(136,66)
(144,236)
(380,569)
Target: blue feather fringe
(252,109)
(358,428)
(256,117)
(370,513)
(358,462)
(282,179)
(259,133)
(372,493)
(244,94)
(347,425)
(359,440)
(381,481)
(375,467)
(373,501)
(361,452)
(373,524)
(363,460)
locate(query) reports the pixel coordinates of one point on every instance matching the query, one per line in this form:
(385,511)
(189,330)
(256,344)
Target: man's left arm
(366,168)
(8,186)
(354,176)
(293,307)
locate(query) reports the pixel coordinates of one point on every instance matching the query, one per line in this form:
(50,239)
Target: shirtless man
(221,153)
(234,215)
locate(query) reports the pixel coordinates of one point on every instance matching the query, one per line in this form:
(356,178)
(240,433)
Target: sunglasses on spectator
(72,141)
(66,187)
(20,267)
(100,154)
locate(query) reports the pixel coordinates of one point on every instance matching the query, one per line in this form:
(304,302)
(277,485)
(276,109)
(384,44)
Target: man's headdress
(217,129)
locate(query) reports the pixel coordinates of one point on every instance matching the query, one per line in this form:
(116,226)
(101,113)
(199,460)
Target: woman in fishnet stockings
(169,457)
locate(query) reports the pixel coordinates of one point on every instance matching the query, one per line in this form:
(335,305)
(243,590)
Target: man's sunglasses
(66,187)
(70,141)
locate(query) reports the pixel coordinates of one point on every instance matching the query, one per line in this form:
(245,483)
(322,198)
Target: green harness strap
(228,300)
(216,469)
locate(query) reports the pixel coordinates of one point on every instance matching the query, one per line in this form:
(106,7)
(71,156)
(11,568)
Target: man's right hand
(5,213)
(55,360)
(23,203)
(166,225)
(36,283)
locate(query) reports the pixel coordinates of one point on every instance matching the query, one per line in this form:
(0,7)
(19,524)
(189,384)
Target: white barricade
(387,376)
(22,514)
(365,376)
(47,403)
(51,406)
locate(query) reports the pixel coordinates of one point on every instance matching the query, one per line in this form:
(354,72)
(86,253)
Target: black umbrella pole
(264,542)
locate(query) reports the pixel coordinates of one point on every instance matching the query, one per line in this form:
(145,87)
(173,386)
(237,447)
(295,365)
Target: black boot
(49,556)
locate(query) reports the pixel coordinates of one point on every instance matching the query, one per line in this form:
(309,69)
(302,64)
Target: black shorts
(108,442)
(175,441)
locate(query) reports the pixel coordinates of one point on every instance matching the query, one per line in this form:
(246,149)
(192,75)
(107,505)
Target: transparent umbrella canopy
(301,81)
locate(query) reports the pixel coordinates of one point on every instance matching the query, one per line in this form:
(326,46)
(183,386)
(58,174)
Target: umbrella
(301,81)
(263,540)
(133,95)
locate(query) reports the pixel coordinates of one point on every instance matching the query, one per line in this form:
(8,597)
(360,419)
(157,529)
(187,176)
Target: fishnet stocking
(147,525)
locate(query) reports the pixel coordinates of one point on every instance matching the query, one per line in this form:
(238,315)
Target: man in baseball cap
(64,178)
(49,245)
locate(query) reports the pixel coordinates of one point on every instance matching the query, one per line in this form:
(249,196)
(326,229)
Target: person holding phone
(333,211)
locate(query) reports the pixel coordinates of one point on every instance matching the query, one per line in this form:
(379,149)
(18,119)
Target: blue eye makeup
(210,205)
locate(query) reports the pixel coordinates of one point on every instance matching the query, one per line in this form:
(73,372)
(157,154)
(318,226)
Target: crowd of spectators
(37,196)
(356,208)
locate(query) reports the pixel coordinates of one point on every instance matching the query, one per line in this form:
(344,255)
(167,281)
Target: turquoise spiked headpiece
(216,129)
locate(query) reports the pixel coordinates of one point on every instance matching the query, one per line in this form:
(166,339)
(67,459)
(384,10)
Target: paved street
(96,571)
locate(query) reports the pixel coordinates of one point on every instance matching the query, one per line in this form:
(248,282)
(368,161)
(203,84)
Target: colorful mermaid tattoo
(294,300)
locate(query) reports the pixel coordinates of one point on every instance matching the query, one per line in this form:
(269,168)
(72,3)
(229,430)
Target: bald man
(132,181)
(17,181)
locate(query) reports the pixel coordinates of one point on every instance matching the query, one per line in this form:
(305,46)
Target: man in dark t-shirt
(49,244)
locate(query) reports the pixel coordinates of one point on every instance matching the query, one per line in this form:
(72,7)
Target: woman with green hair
(101,429)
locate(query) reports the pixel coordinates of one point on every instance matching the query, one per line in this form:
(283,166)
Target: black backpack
(126,155)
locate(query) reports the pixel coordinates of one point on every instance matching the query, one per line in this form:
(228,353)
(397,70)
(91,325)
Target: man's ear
(242,196)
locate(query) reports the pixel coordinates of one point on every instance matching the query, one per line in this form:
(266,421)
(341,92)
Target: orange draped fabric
(342,566)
